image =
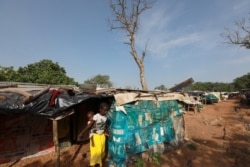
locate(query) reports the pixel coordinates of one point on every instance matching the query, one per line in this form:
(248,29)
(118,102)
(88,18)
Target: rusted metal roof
(180,86)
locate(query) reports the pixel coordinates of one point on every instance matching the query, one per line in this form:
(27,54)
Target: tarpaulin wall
(144,126)
(24,135)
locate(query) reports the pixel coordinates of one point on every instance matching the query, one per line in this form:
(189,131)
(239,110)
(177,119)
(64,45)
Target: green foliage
(161,87)
(156,158)
(7,74)
(43,72)
(242,82)
(139,162)
(192,146)
(211,86)
(100,80)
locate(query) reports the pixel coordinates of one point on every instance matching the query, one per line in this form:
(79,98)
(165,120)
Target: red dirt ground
(217,136)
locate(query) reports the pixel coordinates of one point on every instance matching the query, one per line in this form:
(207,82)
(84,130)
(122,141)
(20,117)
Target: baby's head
(90,115)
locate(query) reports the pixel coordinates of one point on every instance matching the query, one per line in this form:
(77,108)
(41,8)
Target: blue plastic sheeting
(144,126)
(119,127)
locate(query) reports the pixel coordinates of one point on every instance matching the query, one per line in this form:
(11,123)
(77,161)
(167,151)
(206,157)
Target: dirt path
(218,136)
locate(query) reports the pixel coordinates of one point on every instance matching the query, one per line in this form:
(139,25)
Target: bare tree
(240,35)
(125,17)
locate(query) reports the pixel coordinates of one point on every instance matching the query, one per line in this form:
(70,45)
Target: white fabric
(124,98)
(99,119)
(120,108)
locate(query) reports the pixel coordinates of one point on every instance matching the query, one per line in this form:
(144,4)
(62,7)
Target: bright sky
(183,40)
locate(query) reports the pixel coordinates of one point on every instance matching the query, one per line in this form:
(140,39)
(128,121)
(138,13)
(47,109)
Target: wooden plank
(56,142)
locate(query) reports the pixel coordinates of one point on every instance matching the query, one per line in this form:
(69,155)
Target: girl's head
(103,108)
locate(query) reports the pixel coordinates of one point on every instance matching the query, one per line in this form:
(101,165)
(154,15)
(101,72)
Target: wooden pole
(56,142)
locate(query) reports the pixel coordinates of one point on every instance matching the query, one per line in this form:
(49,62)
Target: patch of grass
(139,162)
(192,146)
(246,151)
(156,158)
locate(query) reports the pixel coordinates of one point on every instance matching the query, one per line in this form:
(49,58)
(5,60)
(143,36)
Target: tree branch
(238,36)
(126,18)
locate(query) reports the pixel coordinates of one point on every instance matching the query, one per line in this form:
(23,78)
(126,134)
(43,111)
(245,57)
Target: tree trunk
(139,63)
(142,78)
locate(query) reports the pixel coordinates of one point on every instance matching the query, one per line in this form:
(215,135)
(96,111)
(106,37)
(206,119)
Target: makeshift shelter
(151,121)
(36,119)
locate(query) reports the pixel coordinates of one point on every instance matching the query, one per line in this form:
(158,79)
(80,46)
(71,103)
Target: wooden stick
(46,89)
(8,85)
(36,95)
(56,142)
(27,96)
(14,90)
